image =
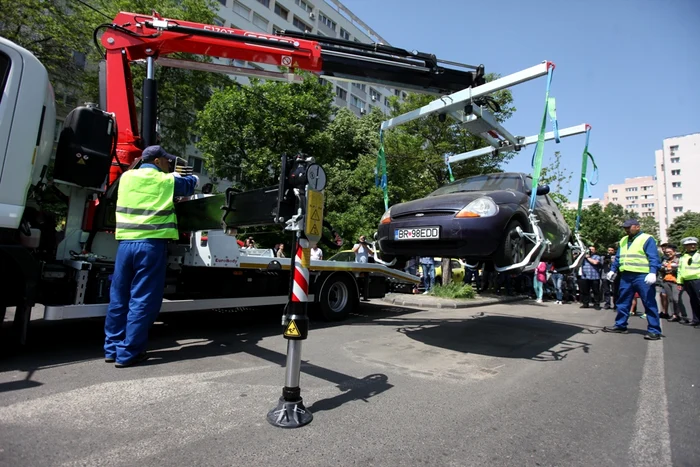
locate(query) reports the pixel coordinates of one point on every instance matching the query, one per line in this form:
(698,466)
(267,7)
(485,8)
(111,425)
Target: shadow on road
(503,336)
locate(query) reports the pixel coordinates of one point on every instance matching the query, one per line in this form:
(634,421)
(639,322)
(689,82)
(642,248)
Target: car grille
(425,214)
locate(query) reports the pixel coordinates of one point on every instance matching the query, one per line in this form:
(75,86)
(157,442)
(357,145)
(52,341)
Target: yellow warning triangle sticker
(292,330)
(81,162)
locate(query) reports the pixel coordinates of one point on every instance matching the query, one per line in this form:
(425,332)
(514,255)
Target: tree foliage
(685,225)
(557,176)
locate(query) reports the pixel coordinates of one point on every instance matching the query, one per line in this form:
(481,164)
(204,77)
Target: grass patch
(453,290)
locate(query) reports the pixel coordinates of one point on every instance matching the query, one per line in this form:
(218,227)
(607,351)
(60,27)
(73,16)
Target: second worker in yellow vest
(689,276)
(146,222)
(637,261)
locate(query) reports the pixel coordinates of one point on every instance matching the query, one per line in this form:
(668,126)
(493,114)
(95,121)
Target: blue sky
(629,68)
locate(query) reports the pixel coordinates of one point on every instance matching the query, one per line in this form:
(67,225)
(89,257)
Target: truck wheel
(338,298)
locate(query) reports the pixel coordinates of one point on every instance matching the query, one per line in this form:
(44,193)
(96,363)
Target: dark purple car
(476,218)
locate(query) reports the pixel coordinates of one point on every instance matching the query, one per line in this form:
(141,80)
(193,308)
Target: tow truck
(70,276)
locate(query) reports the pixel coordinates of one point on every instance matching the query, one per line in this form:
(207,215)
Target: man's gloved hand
(610,276)
(650,279)
(197,180)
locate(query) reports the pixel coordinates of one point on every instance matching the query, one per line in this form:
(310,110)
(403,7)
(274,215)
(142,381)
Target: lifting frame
(481,122)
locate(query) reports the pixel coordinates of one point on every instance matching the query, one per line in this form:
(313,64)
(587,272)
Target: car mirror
(542,190)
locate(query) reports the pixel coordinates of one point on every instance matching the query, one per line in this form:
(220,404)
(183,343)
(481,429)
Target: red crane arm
(133,37)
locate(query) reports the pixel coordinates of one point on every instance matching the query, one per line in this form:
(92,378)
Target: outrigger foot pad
(289,414)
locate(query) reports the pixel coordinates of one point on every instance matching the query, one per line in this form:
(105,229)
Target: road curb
(445,303)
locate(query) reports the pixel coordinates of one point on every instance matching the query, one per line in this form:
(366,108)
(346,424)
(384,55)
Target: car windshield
(491,182)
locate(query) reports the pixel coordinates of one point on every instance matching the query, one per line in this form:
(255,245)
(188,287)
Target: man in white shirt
(362,250)
(316,252)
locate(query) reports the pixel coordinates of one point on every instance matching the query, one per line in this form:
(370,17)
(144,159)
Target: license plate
(419,233)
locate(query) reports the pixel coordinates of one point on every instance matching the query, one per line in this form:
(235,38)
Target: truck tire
(338,297)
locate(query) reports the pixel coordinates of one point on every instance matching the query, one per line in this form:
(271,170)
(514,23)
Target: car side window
(528,183)
(455,264)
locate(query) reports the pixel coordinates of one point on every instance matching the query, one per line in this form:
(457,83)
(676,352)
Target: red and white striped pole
(300,287)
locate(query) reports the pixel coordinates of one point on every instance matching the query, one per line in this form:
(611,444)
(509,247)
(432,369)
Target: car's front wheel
(514,247)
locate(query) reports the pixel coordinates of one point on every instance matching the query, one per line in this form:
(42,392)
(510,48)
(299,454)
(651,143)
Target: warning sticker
(292,330)
(314,215)
(286,60)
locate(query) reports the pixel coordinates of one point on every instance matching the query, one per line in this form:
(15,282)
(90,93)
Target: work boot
(142,357)
(652,336)
(615,330)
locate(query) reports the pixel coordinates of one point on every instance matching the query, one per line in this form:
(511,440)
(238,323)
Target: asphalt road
(513,384)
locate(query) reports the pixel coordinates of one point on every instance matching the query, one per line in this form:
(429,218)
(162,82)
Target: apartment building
(677,166)
(324,17)
(585,203)
(637,194)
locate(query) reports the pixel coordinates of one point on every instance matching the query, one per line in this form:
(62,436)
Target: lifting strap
(584,179)
(550,109)
(449,169)
(380,171)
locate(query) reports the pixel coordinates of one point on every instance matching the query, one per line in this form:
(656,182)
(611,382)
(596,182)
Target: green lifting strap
(380,178)
(549,110)
(584,180)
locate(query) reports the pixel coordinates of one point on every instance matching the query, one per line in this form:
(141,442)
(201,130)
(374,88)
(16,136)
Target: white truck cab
(27,126)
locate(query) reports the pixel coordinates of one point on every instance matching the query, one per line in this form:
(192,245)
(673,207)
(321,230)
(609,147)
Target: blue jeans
(135,297)
(629,283)
(537,285)
(558,280)
(428,275)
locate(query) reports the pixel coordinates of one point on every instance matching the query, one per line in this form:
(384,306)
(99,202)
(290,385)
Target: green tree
(685,225)
(650,226)
(558,178)
(53,31)
(245,130)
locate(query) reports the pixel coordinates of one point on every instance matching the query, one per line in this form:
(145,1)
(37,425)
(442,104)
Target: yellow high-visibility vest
(632,257)
(688,272)
(145,207)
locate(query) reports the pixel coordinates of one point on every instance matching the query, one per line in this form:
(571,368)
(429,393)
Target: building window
(281,11)
(375,95)
(304,5)
(341,93)
(326,20)
(260,22)
(614,191)
(361,86)
(676,172)
(223,2)
(678,196)
(218,21)
(614,199)
(197,165)
(673,150)
(357,102)
(631,189)
(675,160)
(344,34)
(276,30)
(265,2)
(241,9)
(302,26)
(386,101)
(676,184)
(678,209)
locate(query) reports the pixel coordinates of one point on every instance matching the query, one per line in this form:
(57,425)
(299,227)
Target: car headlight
(480,207)
(386,217)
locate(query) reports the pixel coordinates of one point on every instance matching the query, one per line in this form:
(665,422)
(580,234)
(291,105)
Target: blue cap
(154,152)
(630,223)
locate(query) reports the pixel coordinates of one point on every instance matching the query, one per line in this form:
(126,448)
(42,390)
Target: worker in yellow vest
(637,260)
(146,222)
(689,276)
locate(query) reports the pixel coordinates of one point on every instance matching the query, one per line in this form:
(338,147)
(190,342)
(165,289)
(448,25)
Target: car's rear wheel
(514,247)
